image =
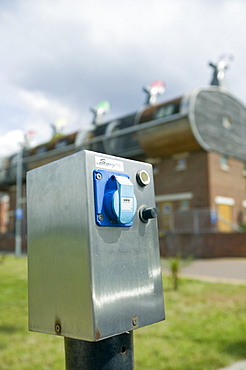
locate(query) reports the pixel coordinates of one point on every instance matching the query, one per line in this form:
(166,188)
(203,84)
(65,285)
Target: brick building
(197,145)
(203,188)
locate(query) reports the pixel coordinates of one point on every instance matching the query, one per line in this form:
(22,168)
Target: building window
(166,110)
(155,169)
(184,205)
(61,143)
(243,220)
(181,164)
(180,161)
(41,149)
(167,208)
(244,170)
(224,163)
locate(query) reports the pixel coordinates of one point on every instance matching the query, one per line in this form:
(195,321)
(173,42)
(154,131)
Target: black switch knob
(148,213)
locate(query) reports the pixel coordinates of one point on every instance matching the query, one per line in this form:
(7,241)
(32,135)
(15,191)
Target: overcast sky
(58,58)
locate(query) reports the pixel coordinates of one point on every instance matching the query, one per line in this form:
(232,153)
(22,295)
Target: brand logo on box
(111,164)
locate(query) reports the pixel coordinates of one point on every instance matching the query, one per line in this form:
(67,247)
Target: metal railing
(195,221)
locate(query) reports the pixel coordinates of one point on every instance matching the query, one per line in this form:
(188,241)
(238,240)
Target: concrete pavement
(240,365)
(231,270)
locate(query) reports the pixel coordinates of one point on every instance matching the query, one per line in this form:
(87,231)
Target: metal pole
(18,210)
(196,221)
(114,353)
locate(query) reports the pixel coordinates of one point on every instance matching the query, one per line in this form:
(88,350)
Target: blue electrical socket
(115,202)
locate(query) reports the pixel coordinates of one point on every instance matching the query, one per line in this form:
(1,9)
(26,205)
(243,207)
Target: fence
(196,221)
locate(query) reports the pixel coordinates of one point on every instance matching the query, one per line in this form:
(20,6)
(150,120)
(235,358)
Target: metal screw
(135,321)
(98,334)
(58,328)
(123,350)
(98,176)
(100,217)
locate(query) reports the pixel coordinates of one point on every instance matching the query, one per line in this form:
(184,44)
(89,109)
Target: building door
(224,217)
(4,213)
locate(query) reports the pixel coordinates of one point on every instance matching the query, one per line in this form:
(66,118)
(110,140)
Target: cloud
(11,142)
(38,102)
(59,58)
(44,110)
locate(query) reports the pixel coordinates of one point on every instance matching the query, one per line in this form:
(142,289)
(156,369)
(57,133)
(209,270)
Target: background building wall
(215,245)
(227,181)
(171,178)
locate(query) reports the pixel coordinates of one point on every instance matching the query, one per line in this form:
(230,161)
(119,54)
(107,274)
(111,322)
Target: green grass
(204,329)
(19,348)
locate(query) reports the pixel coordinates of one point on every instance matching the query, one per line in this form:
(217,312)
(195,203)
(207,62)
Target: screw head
(98,334)
(135,321)
(100,217)
(58,328)
(98,176)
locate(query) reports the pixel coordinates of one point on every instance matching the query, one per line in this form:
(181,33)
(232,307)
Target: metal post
(196,221)
(114,353)
(18,210)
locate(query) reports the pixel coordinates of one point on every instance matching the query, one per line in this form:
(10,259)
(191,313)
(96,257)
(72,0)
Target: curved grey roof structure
(218,121)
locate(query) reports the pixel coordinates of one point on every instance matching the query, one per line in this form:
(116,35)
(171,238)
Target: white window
(180,161)
(184,205)
(224,163)
(244,170)
(181,164)
(167,208)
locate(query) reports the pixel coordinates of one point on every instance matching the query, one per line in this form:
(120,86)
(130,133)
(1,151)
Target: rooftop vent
(153,91)
(220,67)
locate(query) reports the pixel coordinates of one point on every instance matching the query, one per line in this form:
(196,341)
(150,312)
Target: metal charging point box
(93,253)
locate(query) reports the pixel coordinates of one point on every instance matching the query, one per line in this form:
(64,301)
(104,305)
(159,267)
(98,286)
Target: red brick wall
(193,179)
(199,246)
(7,243)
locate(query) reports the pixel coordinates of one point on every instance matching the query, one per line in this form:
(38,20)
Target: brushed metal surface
(85,281)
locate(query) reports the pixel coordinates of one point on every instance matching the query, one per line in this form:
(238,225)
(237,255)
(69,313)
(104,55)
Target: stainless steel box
(87,281)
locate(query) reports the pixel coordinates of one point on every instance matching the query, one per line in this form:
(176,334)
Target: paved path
(240,365)
(232,270)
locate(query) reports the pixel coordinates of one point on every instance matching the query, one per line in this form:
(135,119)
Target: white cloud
(44,110)
(41,111)
(11,142)
(38,102)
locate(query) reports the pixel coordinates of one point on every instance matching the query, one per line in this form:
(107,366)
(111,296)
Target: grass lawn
(205,327)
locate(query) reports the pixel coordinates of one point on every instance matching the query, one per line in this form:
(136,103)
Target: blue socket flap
(115,201)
